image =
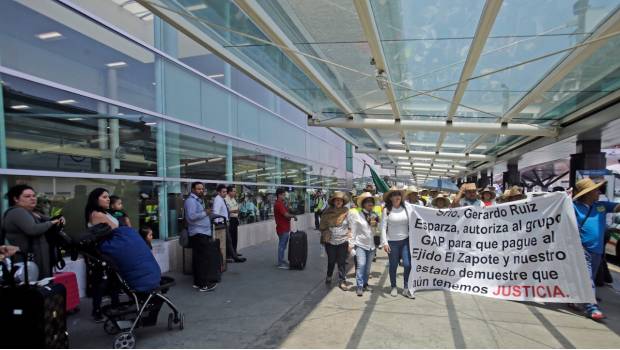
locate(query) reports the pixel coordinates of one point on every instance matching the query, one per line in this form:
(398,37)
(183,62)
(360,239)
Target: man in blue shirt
(199,231)
(221,208)
(591,221)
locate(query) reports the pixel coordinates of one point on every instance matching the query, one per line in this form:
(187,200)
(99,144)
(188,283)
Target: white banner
(526,250)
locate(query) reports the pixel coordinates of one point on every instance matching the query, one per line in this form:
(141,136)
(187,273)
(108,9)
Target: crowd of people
(355,226)
(370,222)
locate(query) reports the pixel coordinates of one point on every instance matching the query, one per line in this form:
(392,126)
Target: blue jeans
(282,243)
(593,261)
(398,250)
(364,259)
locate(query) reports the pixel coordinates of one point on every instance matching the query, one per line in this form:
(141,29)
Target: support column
(4,186)
(484,179)
(512,176)
(588,157)
(472,178)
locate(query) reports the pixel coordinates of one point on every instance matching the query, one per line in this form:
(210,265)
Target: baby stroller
(142,308)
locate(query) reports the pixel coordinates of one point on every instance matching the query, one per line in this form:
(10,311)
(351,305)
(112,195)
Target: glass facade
(126,102)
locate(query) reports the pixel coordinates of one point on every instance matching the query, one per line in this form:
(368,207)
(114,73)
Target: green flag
(380,185)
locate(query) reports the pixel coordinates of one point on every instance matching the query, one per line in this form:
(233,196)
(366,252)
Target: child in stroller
(120,253)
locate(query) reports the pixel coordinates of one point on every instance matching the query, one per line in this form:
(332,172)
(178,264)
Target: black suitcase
(297,250)
(33,316)
(214,261)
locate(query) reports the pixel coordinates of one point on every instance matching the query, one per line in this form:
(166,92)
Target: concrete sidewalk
(258,305)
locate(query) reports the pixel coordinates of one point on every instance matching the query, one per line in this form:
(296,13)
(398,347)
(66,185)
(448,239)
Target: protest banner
(527,250)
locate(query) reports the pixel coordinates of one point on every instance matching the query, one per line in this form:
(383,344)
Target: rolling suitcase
(69,280)
(214,261)
(32,316)
(297,250)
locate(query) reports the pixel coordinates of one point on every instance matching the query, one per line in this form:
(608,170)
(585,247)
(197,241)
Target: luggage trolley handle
(8,275)
(214,217)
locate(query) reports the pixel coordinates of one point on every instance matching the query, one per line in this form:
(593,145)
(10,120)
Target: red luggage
(69,280)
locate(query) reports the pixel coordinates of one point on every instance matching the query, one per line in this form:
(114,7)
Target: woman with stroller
(97,212)
(25,228)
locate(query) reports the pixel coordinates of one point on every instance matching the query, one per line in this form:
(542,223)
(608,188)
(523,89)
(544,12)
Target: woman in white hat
(335,234)
(395,237)
(591,217)
(487,196)
(441,202)
(363,223)
(412,195)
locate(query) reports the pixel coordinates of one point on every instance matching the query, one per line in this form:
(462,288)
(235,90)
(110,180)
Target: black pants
(317,221)
(199,245)
(231,238)
(337,254)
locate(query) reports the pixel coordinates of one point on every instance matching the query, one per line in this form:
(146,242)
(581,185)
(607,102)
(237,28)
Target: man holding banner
(528,250)
(591,220)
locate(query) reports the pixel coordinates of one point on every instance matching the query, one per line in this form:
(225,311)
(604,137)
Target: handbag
(326,236)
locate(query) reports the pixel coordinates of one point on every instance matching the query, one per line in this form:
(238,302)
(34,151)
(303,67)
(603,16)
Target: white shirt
(361,230)
(395,227)
(232,205)
(340,234)
(219,206)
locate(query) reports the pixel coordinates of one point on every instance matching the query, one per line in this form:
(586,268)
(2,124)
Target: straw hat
(362,197)
(441,197)
(514,191)
(392,189)
(411,189)
(586,185)
(470,186)
(490,190)
(336,195)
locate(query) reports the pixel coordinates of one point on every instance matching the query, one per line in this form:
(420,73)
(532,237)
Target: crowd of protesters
(357,227)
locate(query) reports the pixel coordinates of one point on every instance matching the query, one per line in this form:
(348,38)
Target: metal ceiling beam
(432,125)
(592,116)
(567,65)
(439,155)
(571,61)
(180,23)
(263,21)
(485,24)
(427,165)
(369,26)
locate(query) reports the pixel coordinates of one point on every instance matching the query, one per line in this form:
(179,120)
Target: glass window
(68,196)
(50,129)
(194,153)
(49,40)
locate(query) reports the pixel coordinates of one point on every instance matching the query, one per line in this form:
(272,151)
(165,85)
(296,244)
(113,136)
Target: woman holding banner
(363,223)
(395,237)
(335,235)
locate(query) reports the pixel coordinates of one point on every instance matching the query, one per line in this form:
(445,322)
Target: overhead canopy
(421,81)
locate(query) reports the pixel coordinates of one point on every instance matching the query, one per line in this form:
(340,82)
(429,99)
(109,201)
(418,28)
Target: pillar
(484,179)
(512,176)
(588,157)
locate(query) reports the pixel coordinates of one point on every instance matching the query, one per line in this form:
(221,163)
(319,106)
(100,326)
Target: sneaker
(394,292)
(283,266)
(596,315)
(408,294)
(359,291)
(343,286)
(208,288)
(239,260)
(328,280)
